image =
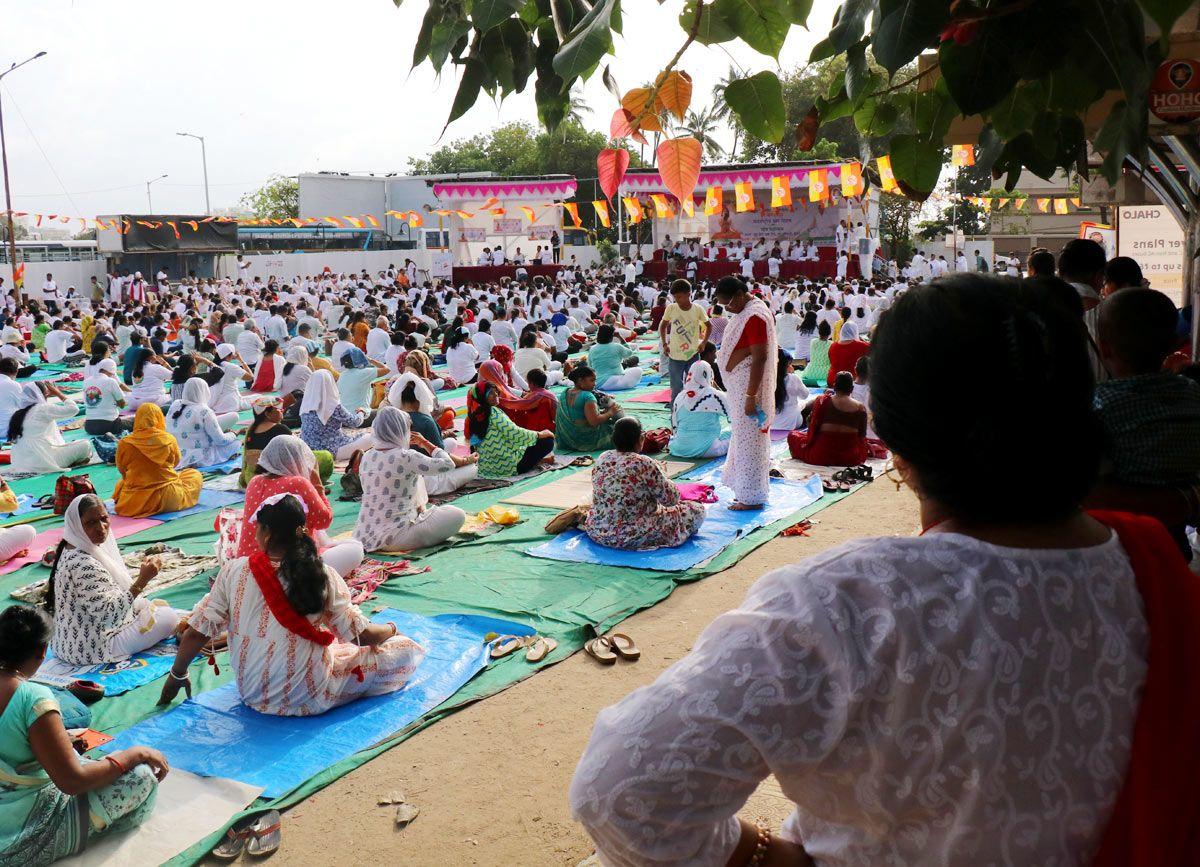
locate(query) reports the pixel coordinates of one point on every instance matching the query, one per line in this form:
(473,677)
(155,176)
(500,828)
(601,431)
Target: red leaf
(611,165)
(806,130)
(622,127)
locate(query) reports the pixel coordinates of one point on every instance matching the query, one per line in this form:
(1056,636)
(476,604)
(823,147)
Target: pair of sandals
(606,649)
(843,480)
(257,836)
(536,647)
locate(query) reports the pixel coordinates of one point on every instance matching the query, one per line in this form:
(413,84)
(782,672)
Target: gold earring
(896,479)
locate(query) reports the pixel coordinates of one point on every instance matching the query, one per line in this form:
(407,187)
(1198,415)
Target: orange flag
(1077,202)
(688,206)
(1019,203)
(744,195)
(337,223)
(852,181)
(662,208)
(818,185)
(781,191)
(1043,205)
(601,207)
(466,215)
(374,223)
(573,210)
(713,201)
(887,178)
(962,155)
(415,219)
(1001,203)
(529,214)
(174,228)
(1060,206)
(985,203)
(633,208)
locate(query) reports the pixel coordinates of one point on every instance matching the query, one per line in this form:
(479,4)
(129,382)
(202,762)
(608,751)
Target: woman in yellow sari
(149,483)
(87,332)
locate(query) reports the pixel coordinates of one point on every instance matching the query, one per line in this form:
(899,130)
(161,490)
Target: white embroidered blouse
(934,700)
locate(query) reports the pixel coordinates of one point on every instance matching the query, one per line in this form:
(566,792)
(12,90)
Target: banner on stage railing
(507,226)
(473,233)
(441,264)
(774,224)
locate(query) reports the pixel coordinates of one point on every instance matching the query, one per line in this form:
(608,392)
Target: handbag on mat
(351,482)
(654,441)
(67,488)
(566,519)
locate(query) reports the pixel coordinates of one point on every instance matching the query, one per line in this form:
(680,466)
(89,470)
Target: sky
(274,86)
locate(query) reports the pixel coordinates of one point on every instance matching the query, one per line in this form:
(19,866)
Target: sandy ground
(491,780)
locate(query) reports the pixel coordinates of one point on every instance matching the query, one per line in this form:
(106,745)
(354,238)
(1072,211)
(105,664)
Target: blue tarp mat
(119,677)
(215,735)
(209,500)
(42,374)
(720,529)
(233,465)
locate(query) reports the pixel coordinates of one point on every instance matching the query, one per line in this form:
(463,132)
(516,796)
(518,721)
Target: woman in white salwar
(746,357)
(38,444)
(697,413)
(99,612)
(201,433)
(395,506)
(226,397)
(790,395)
(297,644)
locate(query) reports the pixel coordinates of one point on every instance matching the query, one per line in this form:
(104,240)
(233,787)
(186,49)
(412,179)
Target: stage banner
(540,233)
(473,233)
(441,264)
(791,222)
(508,226)
(1150,235)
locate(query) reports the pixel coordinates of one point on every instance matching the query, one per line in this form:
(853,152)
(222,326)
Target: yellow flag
(1043,205)
(781,191)
(818,185)
(851,177)
(713,201)
(1060,206)
(601,207)
(962,155)
(529,214)
(688,206)
(744,193)
(1077,203)
(573,210)
(887,178)
(633,208)
(662,208)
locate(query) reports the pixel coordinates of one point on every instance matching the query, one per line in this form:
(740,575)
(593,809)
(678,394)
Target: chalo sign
(1175,91)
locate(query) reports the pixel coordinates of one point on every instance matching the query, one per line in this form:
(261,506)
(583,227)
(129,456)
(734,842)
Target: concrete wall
(70,273)
(289,265)
(355,195)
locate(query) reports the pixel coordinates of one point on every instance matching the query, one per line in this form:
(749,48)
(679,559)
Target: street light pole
(12,233)
(204,163)
(149,202)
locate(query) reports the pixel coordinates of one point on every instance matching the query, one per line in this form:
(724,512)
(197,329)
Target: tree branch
(648,108)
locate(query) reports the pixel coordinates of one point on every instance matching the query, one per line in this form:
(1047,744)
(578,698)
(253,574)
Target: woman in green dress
(504,449)
(816,372)
(581,425)
(51,801)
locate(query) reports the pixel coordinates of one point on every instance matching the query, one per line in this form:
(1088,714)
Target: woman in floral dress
(635,506)
(199,431)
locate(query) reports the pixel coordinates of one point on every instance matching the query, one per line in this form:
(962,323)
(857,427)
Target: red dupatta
(1156,820)
(268,582)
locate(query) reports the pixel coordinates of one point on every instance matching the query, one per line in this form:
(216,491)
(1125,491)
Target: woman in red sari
(837,429)
(269,373)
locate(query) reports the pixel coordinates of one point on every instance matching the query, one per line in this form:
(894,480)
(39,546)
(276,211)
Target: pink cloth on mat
(696,492)
(43,542)
(663,396)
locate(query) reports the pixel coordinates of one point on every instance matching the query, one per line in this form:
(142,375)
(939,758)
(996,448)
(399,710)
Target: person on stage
(746,360)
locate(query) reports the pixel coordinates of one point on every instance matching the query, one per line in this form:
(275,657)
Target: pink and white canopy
(636,182)
(486,188)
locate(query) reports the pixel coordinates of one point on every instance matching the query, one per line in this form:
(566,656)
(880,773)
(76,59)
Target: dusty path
(491,780)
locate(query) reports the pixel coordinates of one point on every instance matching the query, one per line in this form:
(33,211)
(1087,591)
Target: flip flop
(624,646)
(265,835)
(601,650)
(540,649)
(231,845)
(506,644)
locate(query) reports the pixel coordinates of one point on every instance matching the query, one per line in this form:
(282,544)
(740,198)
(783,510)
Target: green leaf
(759,23)
(617,20)
(835,109)
(757,102)
(932,113)
(876,118)
(823,50)
(1014,114)
(587,43)
(508,54)
(915,162)
(848,24)
(475,76)
(798,11)
(856,70)
(552,103)
(486,14)
(713,28)
(980,73)
(1071,89)
(907,27)
(1164,12)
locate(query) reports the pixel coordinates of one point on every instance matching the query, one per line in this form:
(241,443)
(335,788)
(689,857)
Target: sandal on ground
(265,835)
(624,646)
(506,644)
(601,650)
(231,845)
(540,649)
(87,691)
(737,506)
(864,473)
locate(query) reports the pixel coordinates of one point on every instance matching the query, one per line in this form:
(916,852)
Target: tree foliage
(20,230)
(277,199)
(1028,70)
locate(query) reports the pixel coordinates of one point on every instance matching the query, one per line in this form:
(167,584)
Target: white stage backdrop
(772,223)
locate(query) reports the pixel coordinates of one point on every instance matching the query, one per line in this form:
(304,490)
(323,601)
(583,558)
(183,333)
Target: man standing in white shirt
(498,256)
(747,268)
(960,263)
(773,264)
(630,272)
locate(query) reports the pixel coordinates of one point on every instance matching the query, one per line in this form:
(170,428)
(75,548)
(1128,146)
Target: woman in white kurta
(790,395)
(395,507)
(38,444)
(100,614)
(289,660)
(200,432)
(151,386)
(226,397)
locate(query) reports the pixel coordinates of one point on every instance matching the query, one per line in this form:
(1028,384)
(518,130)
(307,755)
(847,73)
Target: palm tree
(579,106)
(721,110)
(701,126)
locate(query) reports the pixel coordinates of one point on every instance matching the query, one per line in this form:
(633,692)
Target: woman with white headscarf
(395,510)
(100,614)
(322,419)
(226,397)
(845,352)
(288,466)
(296,370)
(201,433)
(697,414)
(38,444)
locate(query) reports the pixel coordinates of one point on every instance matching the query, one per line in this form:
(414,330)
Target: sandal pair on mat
(258,836)
(537,647)
(607,648)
